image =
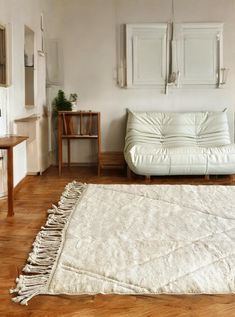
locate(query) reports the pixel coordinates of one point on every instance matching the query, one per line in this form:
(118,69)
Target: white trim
(132,80)
(200,30)
(204,25)
(8,38)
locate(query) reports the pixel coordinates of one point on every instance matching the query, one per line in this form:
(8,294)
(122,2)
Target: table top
(8,141)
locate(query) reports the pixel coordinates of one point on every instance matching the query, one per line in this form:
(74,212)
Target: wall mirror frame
(29,66)
(5,60)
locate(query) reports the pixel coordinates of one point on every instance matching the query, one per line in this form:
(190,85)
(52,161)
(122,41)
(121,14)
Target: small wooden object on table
(112,160)
(86,125)
(7,143)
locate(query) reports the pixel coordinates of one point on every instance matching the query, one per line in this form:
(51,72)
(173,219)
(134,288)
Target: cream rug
(134,239)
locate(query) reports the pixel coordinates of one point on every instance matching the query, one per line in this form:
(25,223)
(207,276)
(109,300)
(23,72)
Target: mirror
(3,61)
(29,66)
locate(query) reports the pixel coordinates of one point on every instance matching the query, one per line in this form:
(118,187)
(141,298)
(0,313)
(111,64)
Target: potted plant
(61,103)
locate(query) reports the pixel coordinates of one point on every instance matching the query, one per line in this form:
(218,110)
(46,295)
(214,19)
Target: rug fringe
(46,247)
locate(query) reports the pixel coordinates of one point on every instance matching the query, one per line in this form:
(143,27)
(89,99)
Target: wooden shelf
(33,117)
(77,125)
(79,136)
(82,112)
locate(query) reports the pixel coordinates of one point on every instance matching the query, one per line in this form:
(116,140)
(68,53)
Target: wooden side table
(7,143)
(87,127)
(112,160)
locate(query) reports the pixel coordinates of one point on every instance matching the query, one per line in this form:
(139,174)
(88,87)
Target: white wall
(20,162)
(17,14)
(90,34)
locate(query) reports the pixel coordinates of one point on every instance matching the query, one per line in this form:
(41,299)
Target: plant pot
(74,105)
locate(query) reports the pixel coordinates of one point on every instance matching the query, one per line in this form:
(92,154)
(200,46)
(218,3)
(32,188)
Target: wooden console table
(7,143)
(87,126)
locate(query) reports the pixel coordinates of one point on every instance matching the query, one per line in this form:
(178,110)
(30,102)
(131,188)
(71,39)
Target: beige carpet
(134,239)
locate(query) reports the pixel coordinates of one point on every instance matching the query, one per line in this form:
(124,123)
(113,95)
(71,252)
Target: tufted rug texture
(134,239)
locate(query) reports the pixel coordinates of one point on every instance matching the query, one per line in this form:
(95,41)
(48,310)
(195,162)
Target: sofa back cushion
(170,129)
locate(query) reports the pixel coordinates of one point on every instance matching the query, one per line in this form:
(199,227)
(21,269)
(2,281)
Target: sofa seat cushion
(150,159)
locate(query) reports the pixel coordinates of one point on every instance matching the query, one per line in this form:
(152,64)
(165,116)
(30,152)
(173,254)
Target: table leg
(10,183)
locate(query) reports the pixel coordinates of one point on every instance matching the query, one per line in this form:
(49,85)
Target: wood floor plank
(32,199)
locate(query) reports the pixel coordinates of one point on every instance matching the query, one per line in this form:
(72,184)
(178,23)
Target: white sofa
(189,143)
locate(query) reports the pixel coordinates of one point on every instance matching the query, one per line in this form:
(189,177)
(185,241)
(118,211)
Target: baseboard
(20,184)
(39,172)
(78,164)
(16,188)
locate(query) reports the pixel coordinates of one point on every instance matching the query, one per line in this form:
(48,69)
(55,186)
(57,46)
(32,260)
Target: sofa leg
(147,179)
(207,177)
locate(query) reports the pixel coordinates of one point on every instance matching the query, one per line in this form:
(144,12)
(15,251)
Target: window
(29,67)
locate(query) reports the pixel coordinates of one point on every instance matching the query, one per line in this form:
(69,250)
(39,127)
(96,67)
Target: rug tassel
(46,247)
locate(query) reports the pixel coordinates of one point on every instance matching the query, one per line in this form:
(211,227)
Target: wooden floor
(32,200)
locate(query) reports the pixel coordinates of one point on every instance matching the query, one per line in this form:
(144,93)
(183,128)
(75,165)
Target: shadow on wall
(116,127)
